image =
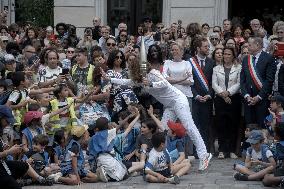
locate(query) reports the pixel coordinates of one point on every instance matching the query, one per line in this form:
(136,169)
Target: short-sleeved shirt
(258,155)
(158,161)
(141,139)
(48,74)
(15,95)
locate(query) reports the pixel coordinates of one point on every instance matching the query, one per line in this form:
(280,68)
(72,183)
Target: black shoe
(24,182)
(282,184)
(241,177)
(45,182)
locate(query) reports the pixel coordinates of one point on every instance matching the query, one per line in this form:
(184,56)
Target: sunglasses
(216,31)
(71,52)
(111,44)
(160,27)
(214,38)
(118,57)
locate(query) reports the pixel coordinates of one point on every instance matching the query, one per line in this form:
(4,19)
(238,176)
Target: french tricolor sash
(199,74)
(253,73)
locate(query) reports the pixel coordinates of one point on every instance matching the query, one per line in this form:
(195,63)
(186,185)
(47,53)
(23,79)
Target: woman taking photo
(226,84)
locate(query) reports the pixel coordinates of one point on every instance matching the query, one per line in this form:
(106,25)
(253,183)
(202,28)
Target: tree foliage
(38,12)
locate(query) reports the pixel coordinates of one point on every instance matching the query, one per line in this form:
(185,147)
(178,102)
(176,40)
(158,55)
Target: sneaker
(55,176)
(102,174)
(174,180)
(233,156)
(221,155)
(204,163)
(191,158)
(45,182)
(240,177)
(135,174)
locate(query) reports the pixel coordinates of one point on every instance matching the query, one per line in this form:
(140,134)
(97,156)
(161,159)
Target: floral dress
(121,94)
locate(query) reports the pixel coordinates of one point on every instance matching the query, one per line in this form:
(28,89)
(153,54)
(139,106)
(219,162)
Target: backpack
(5,96)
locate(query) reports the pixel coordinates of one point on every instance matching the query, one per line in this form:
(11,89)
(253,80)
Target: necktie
(253,59)
(202,65)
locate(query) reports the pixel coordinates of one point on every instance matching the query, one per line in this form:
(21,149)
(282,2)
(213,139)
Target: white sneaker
(102,174)
(191,158)
(174,180)
(233,156)
(204,163)
(55,176)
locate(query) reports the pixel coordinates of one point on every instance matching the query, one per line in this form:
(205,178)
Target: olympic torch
(143,57)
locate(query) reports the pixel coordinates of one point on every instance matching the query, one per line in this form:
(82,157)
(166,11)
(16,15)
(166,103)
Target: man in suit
(257,76)
(202,103)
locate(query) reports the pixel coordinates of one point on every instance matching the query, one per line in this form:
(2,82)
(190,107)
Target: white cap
(9,58)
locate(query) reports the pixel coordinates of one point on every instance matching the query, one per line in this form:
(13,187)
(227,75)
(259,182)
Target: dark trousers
(227,121)
(256,113)
(202,117)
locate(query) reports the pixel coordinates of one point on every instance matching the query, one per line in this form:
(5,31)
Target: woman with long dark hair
(120,95)
(226,84)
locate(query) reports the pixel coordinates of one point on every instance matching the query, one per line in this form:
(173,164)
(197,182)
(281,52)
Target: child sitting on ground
(245,145)
(259,159)
(32,119)
(158,167)
(101,147)
(72,167)
(278,176)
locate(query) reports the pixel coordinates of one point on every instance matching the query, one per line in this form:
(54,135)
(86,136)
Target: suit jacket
(281,80)
(218,79)
(197,88)
(266,69)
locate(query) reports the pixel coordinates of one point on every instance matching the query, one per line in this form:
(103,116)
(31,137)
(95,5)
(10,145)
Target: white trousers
(180,110)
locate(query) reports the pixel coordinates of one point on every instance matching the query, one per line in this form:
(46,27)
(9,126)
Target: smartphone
(279,49)
(65,71)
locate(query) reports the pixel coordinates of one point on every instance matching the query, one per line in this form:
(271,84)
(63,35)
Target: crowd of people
(80,109)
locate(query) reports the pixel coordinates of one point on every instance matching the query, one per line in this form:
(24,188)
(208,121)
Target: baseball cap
(177,128)
(78,131)
(6,113)
(255,137)
(30,115)
(9,58)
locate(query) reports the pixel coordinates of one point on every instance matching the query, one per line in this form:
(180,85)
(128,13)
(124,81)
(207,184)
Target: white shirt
(158,161)
(48,74)
(177,70)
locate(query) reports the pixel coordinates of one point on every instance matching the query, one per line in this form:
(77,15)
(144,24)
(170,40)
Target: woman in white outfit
(174,101)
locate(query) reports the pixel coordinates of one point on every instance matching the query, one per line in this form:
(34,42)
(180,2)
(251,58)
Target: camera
(279,50)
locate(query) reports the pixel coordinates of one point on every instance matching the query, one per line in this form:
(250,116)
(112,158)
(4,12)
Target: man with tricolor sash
(202,104)
(257,76)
